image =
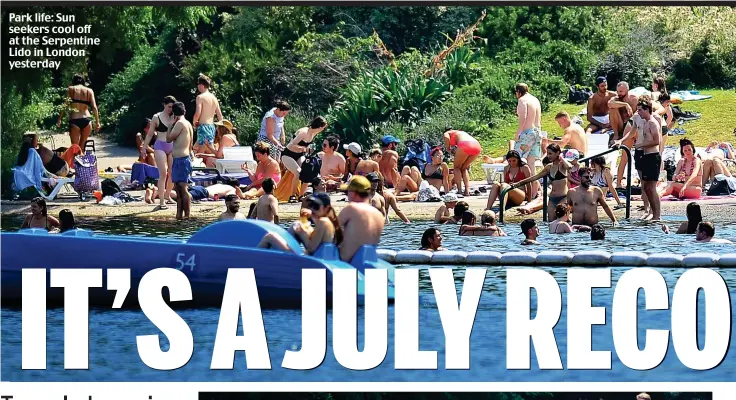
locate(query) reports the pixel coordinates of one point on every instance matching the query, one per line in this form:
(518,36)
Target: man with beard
(389,165)
(622,110)
(232,209)
(597,114)
(584,201)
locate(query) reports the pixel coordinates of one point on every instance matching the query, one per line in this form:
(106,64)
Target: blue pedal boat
(204,258)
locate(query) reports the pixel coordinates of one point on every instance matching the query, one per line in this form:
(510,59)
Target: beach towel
(283,190)
(30,173)
(70,153)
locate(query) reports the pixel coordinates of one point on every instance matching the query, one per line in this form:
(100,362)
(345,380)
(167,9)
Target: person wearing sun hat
(361,223)
(445,212)
(224,137)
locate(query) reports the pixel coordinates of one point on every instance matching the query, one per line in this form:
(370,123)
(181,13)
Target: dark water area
(113,353)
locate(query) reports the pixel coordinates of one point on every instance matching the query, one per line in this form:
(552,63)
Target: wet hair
(263,148)
(661,86)
(561,210)
(41,203)
(318,122)
(333,141)
(488,217)
(597,232)
(268,185)
(664,96)
(24,147)
(694,217)
(146,123)
(204,80)
(229,198)
(599,160)
(554,147)
(460,209)
(283,106)
(178,108)
(78,79)
(169,100)
(515,154)
(469,218)
(427,236)
(562,114)
(687,142)
(708,228)
(521,88)
(66,220)
(526,225)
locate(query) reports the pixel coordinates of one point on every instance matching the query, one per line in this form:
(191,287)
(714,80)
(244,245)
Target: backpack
(417,154)
(720,187)
(310,169)
(110,187)
(578,96)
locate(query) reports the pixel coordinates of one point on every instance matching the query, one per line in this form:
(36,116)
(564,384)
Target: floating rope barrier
(588,258)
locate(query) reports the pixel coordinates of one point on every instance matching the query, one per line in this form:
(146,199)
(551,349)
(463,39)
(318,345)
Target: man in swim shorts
(598,109)
(362,224)
(650,160)
(181,133)
(585,199)
(529,137)
(204,116)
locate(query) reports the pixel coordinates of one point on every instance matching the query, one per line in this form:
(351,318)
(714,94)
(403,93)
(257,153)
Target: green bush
(705,68)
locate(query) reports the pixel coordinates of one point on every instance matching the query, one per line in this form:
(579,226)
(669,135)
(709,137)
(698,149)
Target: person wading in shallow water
(39,216)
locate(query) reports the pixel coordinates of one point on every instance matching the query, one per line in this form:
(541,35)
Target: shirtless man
(181,133)
(597,114)
(573,136)
(584,201)
(333,163)
(528,137)
(621,109)
(361,223)
(389,165)
(356,164)
(204,116)
(705,233)
(267,207)
(232,205)
(651,160)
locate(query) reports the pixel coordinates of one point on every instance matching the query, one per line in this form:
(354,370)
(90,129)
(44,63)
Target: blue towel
(30,173)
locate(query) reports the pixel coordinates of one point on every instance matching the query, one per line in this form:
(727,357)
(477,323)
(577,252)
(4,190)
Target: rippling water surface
(114,356)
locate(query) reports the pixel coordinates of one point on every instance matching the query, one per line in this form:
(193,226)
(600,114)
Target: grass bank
(717,122)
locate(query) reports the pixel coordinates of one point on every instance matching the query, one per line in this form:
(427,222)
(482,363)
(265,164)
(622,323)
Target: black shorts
(649,165)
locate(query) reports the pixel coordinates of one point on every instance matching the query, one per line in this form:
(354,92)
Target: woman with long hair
(603,178)
(432,240)
(80,121)
(224,137)
(66,221)
(162,150)
(437,173)
(515,171)
(295,152)
(688,180)
(658,87)
(39,216)
(557,171)
(466,150)
(694,217)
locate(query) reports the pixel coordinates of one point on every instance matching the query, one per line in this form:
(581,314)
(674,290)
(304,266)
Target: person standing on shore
(272,129)
(181,133)
(160,124)
(80,120)
(204,115)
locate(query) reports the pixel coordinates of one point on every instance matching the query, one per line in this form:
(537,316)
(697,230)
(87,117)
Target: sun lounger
(233,159)
(60,184)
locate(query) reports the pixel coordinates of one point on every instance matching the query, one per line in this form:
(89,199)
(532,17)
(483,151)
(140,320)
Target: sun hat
(227,124)
(449,198)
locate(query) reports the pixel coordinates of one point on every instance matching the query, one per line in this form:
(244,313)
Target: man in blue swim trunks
(181,132)
(204,115)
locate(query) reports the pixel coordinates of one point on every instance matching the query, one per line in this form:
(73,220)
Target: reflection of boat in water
(204,258)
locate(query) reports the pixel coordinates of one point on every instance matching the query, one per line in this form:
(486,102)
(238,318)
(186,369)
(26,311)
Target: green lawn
(717,122)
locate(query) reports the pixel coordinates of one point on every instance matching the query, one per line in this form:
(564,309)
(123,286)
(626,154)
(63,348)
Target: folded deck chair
(234,157)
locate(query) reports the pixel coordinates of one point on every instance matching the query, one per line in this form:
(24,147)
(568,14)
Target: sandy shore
(111,155)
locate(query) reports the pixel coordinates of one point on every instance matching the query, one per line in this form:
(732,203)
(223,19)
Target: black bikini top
(87,103)
(558,176)
(437,174)
(160,127)
(304,144)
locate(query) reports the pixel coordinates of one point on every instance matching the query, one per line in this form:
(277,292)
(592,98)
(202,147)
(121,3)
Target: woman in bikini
(515,171)
(658,87)
(437,173)
(162,149)
(81,98)
(224,138)
(688,183)
(267,168)
(466,150)
(39,216)
(295,152)
(603,178)
(556,171)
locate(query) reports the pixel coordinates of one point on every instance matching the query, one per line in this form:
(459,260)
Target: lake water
(114,356)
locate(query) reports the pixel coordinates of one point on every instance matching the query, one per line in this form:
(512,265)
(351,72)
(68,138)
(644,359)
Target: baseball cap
(359,184)
(389,139)
(354,148)
(319,198)
(373,177)
(600,80)
(571,154)
(449,198)
(527,224)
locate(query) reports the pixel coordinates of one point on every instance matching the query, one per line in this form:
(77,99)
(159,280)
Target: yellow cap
(358,184)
